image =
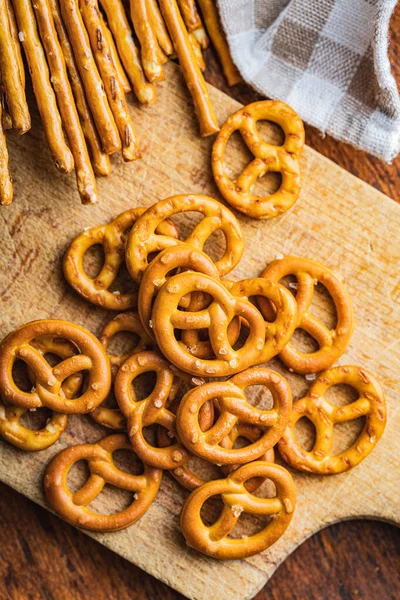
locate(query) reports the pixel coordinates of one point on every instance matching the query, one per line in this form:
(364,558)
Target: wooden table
(43,558)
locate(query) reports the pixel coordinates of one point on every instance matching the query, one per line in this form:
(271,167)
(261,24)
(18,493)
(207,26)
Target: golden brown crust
(193,22)
(5,118)
(145,30)
(115,94)
(190,69)
(160,28)
(16,40)
(197,51)
(6,189)
(115,57)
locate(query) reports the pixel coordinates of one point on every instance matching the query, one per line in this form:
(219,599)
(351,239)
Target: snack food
(141,15)
(267,157)
(6,189)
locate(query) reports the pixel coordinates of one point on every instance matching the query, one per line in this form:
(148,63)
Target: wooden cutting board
(338,220)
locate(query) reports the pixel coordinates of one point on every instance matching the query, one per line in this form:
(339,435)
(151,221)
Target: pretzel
(16,41)
(197,52)
(332,343)
(5,117)
(115,57)
(73,507)
(145,29)
(129,322)
(18,346)
(212,540)
(6,189)
(109,75)
(143,240)
(193,22)
(214,30)
(283,159)
(92,82)
(11,74)
(113,238)
(160,28)
(234,407)
(127,50)
(190,69)
(324,415)
(153,409)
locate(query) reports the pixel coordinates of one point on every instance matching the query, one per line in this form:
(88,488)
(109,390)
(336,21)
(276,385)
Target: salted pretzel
(125,322)
(16,41)
(74,506)
(124,81)
(283,159)
(143,239)
(324,415)
(145,29)
(213,540)
(127,50)
(332,343)
(20,345)
(6,188)
(234,407)
(190,68)
(193,22)
(113,239)
(214,30)
(152,410)
(167,317)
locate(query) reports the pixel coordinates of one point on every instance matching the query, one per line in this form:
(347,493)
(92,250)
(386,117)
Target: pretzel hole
(215,245)
(78,475)
(259,396)
(237,155)
(93,260)
(21,377)
(323,306)
(203,469)
(341,394)
(128,462)
(123,342)
(303,342)
(346,434)
(270,132)
(211,510)
(111,500)
(123,283)
(37,419)
(144,384)
(305,433)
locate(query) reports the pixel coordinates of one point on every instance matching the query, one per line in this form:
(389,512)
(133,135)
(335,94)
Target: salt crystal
(311,376)
(21,36)
(279,256)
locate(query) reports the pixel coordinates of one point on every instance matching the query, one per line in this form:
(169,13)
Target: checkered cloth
(328,59)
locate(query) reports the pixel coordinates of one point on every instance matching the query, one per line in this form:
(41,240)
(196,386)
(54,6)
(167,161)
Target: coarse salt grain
(279,256)
(158,403)
(21,36)
(311,376)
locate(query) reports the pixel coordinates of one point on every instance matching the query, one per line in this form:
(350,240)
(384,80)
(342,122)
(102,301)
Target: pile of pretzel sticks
(83,57)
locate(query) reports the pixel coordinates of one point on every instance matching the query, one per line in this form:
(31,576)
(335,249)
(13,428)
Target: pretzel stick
(127,50)
(160,29)
(214,29)
(6,191)
(191,71)
(115,93)
(16,40)
(6,119)
(149,47)
(9,66)
(96,97)
(83,169)
(100,160)
(193,21)
(115,58)
(197,51)
(44,93)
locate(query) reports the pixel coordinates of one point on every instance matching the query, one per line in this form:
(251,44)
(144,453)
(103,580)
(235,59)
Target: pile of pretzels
(83,57)
(204,337)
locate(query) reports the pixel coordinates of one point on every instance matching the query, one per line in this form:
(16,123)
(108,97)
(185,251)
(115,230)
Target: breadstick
(122,32)
(197,51)
(214,29)
(115,93)
(100,160)
(187,60)
(159,27)
(44,93)
(115,58)
(10,68)
(149,47)
(193,21)
(6,191)
(83,169)
(95,94)
(16,41)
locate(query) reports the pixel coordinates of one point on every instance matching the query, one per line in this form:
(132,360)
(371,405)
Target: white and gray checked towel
(328,59)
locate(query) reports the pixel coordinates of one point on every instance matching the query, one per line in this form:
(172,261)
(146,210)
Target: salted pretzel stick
(83,169)
(100,160)
(95,94)
(115,57)
(197,51)
(214,29)
(115,94)
(6,190)
(191,71)
(193,21)
(127,50)
(149,48)
(160,29)
(16,40)
(10,69)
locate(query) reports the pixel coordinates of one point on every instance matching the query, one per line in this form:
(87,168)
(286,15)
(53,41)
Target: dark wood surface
(43,558)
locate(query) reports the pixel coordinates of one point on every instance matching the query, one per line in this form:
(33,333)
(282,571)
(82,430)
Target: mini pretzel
(145,29)
(214,30)
(74,506)
(100,160)
(193,22)
(212,540)
(44,93)
(13,80)
(6,189)
(109,75)
(282,159)
(324,415)
(332,343)
(234,407)
(66,103)
(129,322)
(94,88)
(113,239)
(115,57)
(127,50)
(190,69)
(143,240)
(152,410)
(19,345)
